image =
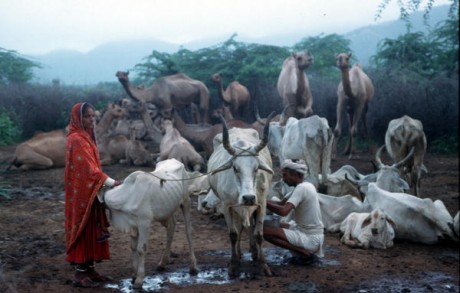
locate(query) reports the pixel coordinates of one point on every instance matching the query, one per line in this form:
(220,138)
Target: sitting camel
(236,96)
(354,93)
(176,91)
(293,86)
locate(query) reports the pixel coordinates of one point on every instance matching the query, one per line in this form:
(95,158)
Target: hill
(101,64)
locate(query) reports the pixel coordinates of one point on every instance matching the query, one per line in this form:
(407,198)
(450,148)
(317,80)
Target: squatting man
(303,234)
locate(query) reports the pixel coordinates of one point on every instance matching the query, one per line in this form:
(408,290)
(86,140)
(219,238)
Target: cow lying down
(365,230)
(147,197)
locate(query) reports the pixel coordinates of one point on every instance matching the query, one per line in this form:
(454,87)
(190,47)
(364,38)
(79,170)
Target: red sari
(85,218)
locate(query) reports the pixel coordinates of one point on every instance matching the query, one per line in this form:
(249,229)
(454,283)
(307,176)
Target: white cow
(418,220)
(334,209)
(309,139)
(210,204)
(147,197)
(365,230)
(241,173)
(402,135)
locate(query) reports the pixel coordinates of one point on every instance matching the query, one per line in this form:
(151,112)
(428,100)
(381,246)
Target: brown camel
(176,91)
(293,86)
(236,96)
(354,93)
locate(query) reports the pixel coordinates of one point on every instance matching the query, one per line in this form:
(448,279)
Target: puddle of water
(426,282)
(215,276)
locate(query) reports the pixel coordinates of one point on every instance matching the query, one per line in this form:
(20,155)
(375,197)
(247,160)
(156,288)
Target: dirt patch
(32,247)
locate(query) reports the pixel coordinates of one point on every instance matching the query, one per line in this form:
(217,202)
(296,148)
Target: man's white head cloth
(299,166)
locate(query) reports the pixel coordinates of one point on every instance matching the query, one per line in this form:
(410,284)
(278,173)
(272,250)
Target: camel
(135,153)
(354,92)
(293,86)
(236,96)
(47,149)
(43,151)
(113,111)
(176,91)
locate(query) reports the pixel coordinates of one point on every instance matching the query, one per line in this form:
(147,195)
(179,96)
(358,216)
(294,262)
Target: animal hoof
(193,271)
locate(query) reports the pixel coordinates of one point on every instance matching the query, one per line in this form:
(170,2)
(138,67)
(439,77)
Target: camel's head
(122,76)
(216,77)
(303,59)
(343,60)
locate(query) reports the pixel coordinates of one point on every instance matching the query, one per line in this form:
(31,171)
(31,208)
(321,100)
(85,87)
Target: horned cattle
(309,139)
(334,209)
(402,135)
(241,173)
(418,220)
(144,198)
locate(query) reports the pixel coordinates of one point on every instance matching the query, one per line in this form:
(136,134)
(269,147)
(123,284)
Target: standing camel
(354,92)
(236,96)
(293,86)
(170,91)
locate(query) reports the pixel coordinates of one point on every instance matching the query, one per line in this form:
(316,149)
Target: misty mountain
(101,63)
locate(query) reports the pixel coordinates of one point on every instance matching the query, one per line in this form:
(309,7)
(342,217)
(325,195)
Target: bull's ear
(225,166)
(264,166)
(366,222)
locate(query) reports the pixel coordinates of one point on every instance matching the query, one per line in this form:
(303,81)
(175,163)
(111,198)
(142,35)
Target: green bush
(9,133)
(445,145)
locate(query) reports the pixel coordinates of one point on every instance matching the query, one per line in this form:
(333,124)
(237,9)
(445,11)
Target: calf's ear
(390,220)
(366,222)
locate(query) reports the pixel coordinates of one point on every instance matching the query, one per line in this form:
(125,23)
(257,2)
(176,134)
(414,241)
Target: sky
(41,26)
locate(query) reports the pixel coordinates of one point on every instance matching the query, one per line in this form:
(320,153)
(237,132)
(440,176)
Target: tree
(14,68)
(324,48)
(408,6)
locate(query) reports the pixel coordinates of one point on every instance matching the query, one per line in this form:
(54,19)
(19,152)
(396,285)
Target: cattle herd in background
(229,164)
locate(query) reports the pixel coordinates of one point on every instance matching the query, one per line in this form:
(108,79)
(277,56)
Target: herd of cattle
(230,167)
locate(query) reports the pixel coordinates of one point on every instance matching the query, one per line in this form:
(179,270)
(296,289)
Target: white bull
(402,135)
(309,139)
(334,209)
(241,174)
(365,230)
(418,220)
(147,197)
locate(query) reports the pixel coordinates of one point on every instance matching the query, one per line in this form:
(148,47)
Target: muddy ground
(32,247)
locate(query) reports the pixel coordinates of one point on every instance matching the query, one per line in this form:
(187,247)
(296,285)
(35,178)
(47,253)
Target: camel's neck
(104,124)
(300,82)
(187,132)
(133,92)
(221,92)
(346,81)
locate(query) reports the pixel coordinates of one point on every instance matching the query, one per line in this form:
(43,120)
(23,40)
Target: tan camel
(354,92)
(176,91)
(293,86)
(113,111)
(44,150)
(236,96)
(47,149)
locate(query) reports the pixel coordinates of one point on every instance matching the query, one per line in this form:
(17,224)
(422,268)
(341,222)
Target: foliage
(14,68)
(9,132)
(324,50)
(444,145)
(409,6)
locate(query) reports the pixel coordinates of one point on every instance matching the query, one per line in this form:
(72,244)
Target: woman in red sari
(86,224)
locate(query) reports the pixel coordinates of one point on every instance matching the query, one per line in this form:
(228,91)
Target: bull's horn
(377,157)
(264,140)
(225,140)
(256,109)
(283,113)
(403,161)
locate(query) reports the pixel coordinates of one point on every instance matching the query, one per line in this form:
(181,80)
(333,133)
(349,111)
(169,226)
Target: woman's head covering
(76,120)
(298,166)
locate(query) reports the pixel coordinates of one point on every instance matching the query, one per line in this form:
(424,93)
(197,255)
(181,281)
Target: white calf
(364,230)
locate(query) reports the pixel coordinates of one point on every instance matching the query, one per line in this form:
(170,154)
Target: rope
(163,180)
